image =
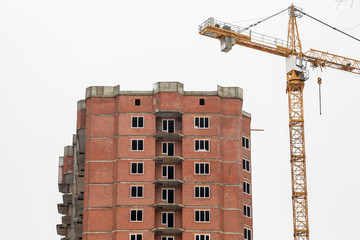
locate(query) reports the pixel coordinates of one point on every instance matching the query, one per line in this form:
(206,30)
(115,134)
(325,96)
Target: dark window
(137,191)
(167,238)
(247,234)
(202,145)
(202,192)
(136,215)
(136,236)
(202,168)
(137,168)
(201,122)
(137,102)
(168,148)
(137,145)
(245,143)
(246,187)
(168,126)
(247,211)
(202,215)
(246,165)
(202,237)
(168,218)
(168,194)
(137,122)
(201,101)
(168,171)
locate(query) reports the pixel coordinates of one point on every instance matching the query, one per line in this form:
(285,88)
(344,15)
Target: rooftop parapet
(68,151)
(158,87)
(230,92)
(168,87)
(81,105)
(102,91)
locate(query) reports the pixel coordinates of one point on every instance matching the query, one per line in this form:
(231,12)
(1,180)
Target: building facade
(165,164)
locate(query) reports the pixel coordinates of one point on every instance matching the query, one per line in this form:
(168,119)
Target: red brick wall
(107,200)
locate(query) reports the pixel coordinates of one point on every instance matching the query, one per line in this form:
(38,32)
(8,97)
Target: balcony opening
(168,126)
(168,171)
(168,148)
(168,195)
(168,219)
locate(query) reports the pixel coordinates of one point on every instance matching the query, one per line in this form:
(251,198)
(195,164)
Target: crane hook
(319,82)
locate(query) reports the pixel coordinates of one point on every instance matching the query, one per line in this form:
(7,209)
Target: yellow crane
(296,73)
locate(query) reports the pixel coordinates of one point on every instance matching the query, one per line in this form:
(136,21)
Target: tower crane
(296,75)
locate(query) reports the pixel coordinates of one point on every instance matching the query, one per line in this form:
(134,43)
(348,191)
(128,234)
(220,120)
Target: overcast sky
(50,51)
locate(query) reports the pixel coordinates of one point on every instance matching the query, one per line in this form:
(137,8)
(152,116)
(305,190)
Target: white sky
(50,51)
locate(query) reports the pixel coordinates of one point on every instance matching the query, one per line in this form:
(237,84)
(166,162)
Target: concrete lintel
(246,114)
(168,87)
(102,91)
(81,105)
(230,92)
(68,151)
(168,113)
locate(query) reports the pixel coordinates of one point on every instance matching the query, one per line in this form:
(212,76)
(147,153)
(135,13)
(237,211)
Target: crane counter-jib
(243,36)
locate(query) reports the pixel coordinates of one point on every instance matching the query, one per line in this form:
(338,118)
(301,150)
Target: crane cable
(253,25)
(334,28)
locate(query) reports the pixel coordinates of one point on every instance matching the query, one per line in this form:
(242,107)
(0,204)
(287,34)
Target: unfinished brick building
(165,164)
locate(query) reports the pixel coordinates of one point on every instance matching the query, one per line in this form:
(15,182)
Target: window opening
(247,211)
(168,219)
(168,148)
(201,101)
(202,145)
(246,187)
(202,168)
(137,102)
(137,168)
(136,237)
(167,238)
(137,145)
(202,215)
(246,165)
(168,171)
(137,191)
(168,195)
(247,234)
(245,143)
(201,122)
(168,126)
(202,236)
(202,192)
(136,215)
(137,122)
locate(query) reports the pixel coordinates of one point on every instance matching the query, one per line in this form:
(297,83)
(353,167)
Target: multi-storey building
(166,164)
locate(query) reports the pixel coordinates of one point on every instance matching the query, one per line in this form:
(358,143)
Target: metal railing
(255,37)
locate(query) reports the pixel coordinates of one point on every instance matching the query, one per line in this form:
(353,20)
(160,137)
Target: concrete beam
(246,114)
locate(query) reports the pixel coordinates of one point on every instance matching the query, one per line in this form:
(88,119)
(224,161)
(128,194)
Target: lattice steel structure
(229,35)
(295,87)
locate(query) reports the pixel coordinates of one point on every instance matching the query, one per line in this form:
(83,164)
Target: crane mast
(295,87)
(296,75)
